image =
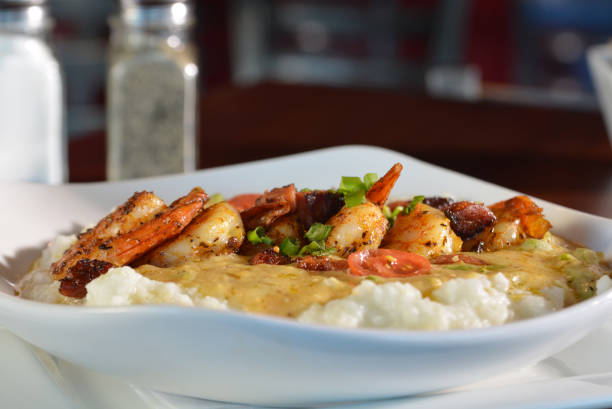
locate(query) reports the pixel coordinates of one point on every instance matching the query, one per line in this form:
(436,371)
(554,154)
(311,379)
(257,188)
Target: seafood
(363,226)
(215,231)
(138,209)
(356,228)
(518,218)
(425,231)
(123,236)
(379,192)
(285,226)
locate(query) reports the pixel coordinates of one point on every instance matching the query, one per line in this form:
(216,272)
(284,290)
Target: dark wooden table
(558,155)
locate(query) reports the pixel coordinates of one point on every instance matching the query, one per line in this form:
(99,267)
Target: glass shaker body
(32,133)
(152,90)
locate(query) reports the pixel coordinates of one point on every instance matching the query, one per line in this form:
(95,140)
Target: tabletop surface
(555,154)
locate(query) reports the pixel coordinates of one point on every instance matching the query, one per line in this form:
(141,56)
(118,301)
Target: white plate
(578,377)
(261,360)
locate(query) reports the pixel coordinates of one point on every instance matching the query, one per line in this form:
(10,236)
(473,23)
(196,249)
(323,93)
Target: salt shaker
(32,134)
(152,90)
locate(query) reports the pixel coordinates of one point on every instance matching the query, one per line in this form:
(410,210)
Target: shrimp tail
(379,192)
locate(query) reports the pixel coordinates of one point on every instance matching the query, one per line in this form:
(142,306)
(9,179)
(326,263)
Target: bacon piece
(438,202)
(79,275)
(469,218)
(270,206)
(457,258)
(321,263)
(317,206)
(244,201)
(269,256)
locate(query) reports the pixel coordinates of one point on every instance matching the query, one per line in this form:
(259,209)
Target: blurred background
(524,51)
(500,90)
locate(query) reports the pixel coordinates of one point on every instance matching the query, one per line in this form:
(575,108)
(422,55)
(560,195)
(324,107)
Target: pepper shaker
(152,90)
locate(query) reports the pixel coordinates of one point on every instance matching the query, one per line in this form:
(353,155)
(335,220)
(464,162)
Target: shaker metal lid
(156,12)
(24,16)
(21,3)
(130,3)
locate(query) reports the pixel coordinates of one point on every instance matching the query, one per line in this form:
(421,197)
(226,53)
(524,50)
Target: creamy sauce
(262,288)
(287,290)
(536,278)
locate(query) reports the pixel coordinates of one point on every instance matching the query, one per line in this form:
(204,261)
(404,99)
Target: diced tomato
(244,201)
(387,263)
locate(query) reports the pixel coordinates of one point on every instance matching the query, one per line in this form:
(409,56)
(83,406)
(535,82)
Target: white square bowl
(233,356)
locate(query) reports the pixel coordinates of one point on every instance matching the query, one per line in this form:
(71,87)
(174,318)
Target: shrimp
(363,226)
(357,228)
(379,192)
(138,209)
(517,219)
(217,230)
(285,226)
(123,236)
(425,231)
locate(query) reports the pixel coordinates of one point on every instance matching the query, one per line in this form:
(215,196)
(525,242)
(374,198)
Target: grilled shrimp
(425,231)
(285,226)
(357,228)
(123,236)
(517,219)
(363,226)
(138,209)
(216,231)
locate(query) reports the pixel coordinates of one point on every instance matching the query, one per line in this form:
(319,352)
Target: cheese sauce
(287,290)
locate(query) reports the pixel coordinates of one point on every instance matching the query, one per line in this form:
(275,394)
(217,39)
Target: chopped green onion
(316,249)
(460,267)
(310,248)
(318,232)
(530,244)
(354,198)
(354,189)
(494,267)
(258,236)
(213,200)
(586,255)
(290,246)
(415,201)
(369,179)
(350,184)
(386,211)
(306,190)
(392,215)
